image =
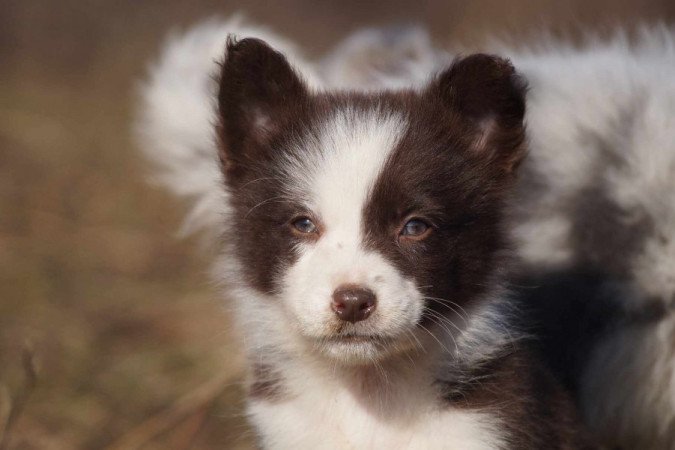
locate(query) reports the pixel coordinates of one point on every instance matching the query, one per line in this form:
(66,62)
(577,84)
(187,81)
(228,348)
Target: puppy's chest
(336,419)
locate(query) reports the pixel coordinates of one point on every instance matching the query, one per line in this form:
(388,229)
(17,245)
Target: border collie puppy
(364,244)
(594,208)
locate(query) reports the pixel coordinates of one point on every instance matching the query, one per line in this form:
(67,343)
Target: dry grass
(131,348)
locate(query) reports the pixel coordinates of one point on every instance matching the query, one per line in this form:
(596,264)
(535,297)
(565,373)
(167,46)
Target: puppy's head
(367,219)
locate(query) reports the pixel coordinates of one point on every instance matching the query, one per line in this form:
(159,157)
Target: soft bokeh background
(110,333)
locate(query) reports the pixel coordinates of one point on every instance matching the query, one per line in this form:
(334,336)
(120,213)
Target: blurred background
(110,334)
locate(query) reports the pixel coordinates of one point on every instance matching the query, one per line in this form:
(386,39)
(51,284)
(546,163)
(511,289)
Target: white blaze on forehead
(333,171)
(351,150)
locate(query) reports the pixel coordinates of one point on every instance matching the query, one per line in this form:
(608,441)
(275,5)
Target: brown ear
(487,91)
(258,90)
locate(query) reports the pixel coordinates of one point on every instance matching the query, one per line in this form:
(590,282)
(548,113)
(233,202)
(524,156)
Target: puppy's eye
(415,228)
(304,225)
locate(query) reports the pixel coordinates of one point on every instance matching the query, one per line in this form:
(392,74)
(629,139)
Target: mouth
(357,348)
(353,338)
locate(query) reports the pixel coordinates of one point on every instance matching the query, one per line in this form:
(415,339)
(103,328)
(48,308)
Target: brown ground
(129,345)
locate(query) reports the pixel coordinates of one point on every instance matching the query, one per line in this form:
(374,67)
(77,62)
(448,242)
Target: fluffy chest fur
(340,423)
(323,413)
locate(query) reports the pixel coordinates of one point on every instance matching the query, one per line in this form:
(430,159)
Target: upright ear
(258,93)
(487,92)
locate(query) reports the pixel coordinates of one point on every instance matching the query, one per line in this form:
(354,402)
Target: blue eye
(304,225)
(415,228)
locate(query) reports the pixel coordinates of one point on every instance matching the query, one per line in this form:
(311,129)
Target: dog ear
(486,91)
(258,94)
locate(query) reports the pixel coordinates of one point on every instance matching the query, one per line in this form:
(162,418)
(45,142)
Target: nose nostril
(365,306)
(353,303)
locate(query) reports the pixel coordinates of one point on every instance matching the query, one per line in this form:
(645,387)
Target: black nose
(353,303)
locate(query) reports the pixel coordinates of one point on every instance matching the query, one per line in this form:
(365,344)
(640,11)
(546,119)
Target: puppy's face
(371,219)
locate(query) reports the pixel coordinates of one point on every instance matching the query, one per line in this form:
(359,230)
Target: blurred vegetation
(112,315)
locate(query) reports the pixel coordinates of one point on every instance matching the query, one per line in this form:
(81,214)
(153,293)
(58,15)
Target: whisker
(446,329)
(434,336)
(443,319)
(449,302)
(462,313)
(419,344)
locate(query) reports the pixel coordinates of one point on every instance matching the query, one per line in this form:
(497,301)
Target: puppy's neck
(389,388)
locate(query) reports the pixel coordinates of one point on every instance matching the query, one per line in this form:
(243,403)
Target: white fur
(578,95)
(327,413)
